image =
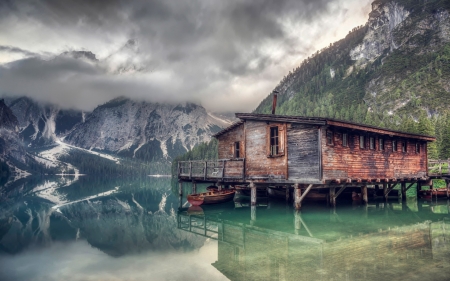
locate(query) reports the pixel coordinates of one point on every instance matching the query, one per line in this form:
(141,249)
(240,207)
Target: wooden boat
(211,197)
(435,192)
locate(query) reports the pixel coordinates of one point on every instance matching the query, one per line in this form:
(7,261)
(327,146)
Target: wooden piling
(385,187)
(403,186)
(253,193)
(194,187)
(287,193)
(333,196)
(364,194)
(297,196)
(252,214)
(180,188)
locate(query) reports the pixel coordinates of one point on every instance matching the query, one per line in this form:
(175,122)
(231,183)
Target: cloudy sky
(226,55)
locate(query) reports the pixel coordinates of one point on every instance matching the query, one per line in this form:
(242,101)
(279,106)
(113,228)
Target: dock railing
(212,169)
(438,167)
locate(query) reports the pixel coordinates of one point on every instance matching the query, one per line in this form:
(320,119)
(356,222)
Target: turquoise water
(134,229)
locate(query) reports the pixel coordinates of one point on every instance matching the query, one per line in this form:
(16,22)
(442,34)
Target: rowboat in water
(211,197)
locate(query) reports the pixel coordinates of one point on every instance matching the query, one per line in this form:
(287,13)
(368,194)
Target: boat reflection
(381,241)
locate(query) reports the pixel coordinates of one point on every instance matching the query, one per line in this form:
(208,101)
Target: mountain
(148,131)
(41,124)
(392,72)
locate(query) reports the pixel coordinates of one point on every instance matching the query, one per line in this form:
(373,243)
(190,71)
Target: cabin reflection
(328,246)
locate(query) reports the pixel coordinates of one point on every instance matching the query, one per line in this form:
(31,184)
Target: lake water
(118,229)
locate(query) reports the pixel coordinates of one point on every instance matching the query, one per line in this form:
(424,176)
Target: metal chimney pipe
(274,103)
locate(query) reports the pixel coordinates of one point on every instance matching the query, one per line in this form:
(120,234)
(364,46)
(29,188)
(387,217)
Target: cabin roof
(321,122)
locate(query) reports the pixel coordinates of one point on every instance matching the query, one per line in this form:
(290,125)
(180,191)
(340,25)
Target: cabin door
(303,153)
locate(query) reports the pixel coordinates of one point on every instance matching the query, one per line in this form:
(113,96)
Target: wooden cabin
(278,150)
(311,150)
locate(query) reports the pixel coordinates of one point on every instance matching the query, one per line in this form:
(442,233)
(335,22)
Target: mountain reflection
(384,241)
(118,217)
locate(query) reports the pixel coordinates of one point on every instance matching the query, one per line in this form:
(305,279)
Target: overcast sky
(225,55)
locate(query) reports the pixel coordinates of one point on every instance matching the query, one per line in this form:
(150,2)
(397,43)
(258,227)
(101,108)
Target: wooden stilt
(252,214)
(403,185)
(385,190)
(253,193)
(194,187)
(418,188)
(287,193)
(297,222)
(297,196)
(333,196)
(364,194)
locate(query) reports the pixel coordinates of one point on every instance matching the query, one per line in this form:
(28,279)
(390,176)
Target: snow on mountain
(41,124)
(144,130)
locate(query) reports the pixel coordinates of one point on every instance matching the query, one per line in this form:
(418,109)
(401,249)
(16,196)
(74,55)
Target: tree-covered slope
(392,72)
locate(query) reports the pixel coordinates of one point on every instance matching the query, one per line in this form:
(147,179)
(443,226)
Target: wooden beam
(410,185)
(306,192)
(340,191)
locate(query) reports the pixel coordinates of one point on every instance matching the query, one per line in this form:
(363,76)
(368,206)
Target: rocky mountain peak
(7,118)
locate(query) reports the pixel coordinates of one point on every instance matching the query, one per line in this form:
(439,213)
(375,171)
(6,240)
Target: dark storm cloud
(187,50)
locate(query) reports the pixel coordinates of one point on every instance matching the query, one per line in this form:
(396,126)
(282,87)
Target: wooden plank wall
(257,163)
(341,162)
(227,140)
(303,152)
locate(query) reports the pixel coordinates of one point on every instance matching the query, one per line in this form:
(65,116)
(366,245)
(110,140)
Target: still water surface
(116,229)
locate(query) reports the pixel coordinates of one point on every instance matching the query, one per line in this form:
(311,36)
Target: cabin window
(237,150)
(275,140)
(372,143)
(417,147)
(403,146)
(344,140)
(330,137)
(362,142)
(381,144)
(394,145)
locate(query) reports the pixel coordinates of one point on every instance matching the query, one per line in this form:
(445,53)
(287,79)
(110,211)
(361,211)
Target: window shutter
(281,135)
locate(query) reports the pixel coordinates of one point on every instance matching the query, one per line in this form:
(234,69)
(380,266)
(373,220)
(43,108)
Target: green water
(134,229)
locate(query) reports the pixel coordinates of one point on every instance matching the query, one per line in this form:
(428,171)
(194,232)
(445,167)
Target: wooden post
(287,193)
(364,194)
(333,196)
(180,188)
(403,185)
(253,193)
(297,196)
(385,190)
(252,214)
(190,169)
(194,187)
(297,222)
(418,188)
(219,186)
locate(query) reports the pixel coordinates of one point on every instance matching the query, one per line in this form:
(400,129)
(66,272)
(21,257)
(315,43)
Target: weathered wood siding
(303,152)
(227,140)
(339,162)
(257,161)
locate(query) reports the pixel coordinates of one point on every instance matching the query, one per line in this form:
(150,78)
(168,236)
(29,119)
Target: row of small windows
(363,144)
